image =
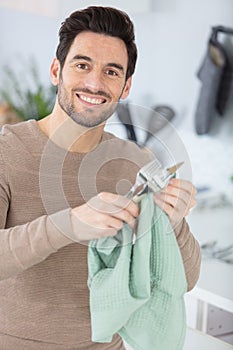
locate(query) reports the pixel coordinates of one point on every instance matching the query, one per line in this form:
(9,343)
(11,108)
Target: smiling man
(90,83)
(63,183)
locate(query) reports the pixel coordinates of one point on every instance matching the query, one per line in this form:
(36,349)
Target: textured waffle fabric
(137,289)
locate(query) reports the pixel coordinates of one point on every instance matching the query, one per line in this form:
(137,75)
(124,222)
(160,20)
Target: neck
(67,134)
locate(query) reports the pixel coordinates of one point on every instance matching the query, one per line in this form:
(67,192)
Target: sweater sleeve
(25,245)
(190,252)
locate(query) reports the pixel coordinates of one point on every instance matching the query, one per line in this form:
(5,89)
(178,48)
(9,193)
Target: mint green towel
(137,289)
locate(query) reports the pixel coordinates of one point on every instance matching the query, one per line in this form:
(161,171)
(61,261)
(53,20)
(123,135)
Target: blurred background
(183,65)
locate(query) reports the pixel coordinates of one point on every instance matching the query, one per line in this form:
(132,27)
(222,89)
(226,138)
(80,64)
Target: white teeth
(94,101)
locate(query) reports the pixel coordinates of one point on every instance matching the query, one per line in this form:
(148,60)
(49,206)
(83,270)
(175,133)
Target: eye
(82,66)
(111,72)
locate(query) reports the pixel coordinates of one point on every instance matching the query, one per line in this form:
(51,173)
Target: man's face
(92,79)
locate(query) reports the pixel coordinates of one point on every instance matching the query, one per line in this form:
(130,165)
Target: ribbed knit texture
(44,298)
(137,289)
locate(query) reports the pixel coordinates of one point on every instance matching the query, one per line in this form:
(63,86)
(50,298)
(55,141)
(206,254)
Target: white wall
(26,34)
(171,46)
(172,42)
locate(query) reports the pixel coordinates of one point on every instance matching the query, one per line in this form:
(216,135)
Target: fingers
(119,202)
(186,187)
(177,199)
(115,206)
(89,224)
(180,192)
(117,222)
(103,215)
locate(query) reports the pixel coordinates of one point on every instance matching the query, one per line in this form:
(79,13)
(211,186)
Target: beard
(89,117)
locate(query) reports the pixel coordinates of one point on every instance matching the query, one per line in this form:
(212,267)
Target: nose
(94,80)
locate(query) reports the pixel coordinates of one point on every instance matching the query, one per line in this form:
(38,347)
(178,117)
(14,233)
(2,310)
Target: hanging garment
(216,75)
(137,289)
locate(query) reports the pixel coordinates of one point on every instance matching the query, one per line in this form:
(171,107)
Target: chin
(89,122)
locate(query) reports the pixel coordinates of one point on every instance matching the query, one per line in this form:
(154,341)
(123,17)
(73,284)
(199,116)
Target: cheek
(117,89)
(67,78)
(126,88)
(65,86)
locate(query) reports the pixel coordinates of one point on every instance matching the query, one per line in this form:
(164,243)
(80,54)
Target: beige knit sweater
(44,299)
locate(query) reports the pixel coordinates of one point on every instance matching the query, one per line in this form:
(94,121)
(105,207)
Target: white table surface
(215,285)
(196,340)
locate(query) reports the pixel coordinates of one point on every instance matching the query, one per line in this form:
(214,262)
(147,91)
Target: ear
(126,89)
(55,71)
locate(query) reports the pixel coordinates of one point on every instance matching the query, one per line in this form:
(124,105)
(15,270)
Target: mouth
(91,101)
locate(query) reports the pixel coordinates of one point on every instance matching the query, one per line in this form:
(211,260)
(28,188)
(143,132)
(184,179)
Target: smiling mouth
(91,100)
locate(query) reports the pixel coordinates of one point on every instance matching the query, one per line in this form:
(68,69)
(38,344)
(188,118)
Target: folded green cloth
(137,289)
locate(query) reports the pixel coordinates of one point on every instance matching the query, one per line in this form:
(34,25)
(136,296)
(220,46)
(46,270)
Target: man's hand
(103,215)
(177,199)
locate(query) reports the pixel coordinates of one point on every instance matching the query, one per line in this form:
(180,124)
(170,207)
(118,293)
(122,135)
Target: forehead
(99,47)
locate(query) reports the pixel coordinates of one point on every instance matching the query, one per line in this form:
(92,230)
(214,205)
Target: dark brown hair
(98,19)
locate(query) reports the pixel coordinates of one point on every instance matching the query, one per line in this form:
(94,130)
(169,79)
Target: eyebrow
(116,65)
(87,58)
(81,57)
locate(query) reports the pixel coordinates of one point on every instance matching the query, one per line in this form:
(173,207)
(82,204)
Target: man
(50,206)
